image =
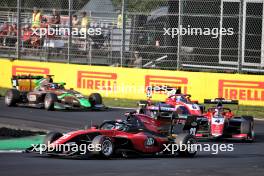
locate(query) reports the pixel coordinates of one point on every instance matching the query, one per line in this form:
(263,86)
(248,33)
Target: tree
(140,5)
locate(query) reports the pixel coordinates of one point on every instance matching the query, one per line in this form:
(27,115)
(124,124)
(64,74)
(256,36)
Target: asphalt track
(246,159)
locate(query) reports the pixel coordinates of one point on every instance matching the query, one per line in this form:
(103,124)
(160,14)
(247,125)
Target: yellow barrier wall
(130,82)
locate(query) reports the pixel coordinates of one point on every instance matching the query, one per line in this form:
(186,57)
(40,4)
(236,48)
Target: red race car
(220,122)
(176,101)
(138,134)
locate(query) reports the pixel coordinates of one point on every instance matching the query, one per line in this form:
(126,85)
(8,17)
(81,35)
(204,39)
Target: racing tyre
(12,97)
(183,141)
(142,104)
(96,98)
(247,127)
(107,146)
(51,137)
(49,101)
(202,108)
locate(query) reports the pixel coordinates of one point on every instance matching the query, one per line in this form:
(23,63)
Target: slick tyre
(142,104)
(12,97)
(247,127)
(107,146)
(95,99)
(183,141)
(49,101)
(51,137)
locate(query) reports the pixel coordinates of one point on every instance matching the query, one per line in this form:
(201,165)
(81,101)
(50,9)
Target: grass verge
(20,143)
(2,91)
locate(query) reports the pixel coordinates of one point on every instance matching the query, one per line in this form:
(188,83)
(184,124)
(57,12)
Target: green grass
(2,91)
(20,143)
(117,102)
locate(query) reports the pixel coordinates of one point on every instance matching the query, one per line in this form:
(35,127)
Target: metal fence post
(124,3)
(70,32)
(240,46)
(179,35)
(18,29)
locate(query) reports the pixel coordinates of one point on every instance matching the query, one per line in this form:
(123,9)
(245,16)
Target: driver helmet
(178,98)
(120,125)
(217,112)
(53,86)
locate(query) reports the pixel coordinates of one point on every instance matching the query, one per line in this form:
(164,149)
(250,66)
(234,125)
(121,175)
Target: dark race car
(40,92)
(176,101)
(220,122)
(139,135)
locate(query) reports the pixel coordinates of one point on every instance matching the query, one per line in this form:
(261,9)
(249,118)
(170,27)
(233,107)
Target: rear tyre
(142,104)
(96,98)
(12,97)
(202,108)
(49,101)
(107,146)
(183,141)
(247,127)
(51,137)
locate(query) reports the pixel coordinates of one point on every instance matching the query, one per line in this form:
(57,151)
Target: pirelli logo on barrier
(170,81)
(96,80)
(241,90)
(25,70)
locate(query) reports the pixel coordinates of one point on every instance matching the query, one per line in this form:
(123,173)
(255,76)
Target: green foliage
(140,5)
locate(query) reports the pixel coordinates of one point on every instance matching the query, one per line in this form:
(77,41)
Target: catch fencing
(197,35)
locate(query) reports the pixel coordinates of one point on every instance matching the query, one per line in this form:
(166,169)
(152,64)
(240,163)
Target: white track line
(11,151)
(122,108)
(258,119)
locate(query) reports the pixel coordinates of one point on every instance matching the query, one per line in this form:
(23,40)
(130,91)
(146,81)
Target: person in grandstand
(55,19)
(75,21)
(85,22)
(36,18)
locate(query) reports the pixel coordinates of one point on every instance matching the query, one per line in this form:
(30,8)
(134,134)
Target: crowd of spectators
(9,31)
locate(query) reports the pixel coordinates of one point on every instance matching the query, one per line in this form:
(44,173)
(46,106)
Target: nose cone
(217,130)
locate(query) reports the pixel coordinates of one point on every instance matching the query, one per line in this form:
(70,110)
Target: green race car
(40,92)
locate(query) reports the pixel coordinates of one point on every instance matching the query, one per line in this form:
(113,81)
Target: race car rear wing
(150,89)
(220,100)
(26,77)
(25,82)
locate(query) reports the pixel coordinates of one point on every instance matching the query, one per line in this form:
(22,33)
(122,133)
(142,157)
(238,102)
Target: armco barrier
(131,82)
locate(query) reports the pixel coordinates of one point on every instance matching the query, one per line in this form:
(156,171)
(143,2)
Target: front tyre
(51,137)
(186,144)
(107,146)
(96,99)
(49,101)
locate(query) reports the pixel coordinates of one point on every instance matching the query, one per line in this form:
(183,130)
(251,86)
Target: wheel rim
(191,150)
(47,102)
(107,148)
(8,99)
(252,134)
